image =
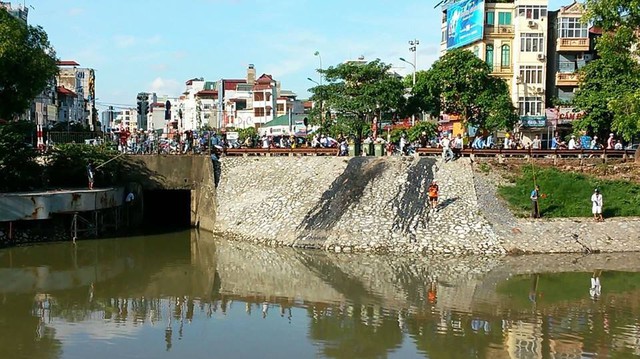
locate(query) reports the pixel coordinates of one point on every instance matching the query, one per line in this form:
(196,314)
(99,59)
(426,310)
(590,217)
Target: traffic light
(145,106)
(139,106)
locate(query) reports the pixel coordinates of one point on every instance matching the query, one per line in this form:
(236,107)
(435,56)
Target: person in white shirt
(618,145)
(572,143)
(447,154)
(536,143)
(594,143)
(596,205)
(611,142)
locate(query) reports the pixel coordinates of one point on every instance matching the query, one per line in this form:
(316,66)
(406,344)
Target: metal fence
(58,137)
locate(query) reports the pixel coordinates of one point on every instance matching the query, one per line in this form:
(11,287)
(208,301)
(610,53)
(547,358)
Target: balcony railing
(570,79)
(502,69)
(572,44)
(500,29)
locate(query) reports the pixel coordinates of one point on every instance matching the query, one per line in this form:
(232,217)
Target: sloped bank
(352,204)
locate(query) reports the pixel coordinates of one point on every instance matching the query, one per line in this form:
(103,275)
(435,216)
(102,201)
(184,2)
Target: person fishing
(535,207)
(90,174)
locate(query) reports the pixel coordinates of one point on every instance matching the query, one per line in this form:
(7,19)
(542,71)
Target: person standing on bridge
(216,151)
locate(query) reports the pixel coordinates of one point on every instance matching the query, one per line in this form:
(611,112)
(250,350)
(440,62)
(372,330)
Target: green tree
(18,168)
(460,83)
(609,85)
(356,93)
(27,64)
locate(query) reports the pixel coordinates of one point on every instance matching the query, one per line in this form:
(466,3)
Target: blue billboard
(465,23)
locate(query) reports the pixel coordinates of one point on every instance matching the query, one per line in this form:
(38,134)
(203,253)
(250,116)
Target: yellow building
(512,40)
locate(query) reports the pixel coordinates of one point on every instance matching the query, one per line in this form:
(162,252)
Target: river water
(190,295)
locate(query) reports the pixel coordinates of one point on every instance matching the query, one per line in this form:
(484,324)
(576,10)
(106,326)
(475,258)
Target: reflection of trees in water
(358,333)
(24,330)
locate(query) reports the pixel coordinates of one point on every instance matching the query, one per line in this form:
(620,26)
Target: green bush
(19,170)
(67,166)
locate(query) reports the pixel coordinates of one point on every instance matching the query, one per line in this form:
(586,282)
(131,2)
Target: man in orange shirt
(433,194)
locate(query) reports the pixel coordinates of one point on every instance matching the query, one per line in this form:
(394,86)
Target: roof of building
(207,93)
(65,91)
(190,82)
(283,120)
(67,63)
(265,79)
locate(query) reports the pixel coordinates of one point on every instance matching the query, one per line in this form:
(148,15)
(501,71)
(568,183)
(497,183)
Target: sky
(156,46)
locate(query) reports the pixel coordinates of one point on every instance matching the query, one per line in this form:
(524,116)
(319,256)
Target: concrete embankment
(352,204)
(380,205)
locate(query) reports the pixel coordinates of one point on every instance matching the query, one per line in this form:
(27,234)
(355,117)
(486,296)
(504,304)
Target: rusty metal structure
(90,211)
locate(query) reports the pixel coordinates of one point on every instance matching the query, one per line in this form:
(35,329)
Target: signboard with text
(465,23)
(533,121)
(568,115)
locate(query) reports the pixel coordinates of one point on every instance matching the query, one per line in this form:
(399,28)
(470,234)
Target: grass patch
(568,194)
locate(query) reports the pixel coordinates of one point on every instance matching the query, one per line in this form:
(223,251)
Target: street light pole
(317,53)
(413,117)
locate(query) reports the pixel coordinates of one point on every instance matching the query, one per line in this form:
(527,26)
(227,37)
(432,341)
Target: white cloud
(166,86)
(124,40)
(75,11)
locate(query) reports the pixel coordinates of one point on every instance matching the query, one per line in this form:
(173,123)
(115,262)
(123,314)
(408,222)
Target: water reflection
(190,295)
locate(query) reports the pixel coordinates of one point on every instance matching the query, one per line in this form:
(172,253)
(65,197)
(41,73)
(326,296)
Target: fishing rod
(110,160)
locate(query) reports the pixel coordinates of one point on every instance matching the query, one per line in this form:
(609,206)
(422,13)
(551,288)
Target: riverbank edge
(514,236)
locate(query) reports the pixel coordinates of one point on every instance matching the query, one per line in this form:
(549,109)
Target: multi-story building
(570,47)
(20,12)
(510,36)
(81,82)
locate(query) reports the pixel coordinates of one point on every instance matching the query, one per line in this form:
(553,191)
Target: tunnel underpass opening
(167,209)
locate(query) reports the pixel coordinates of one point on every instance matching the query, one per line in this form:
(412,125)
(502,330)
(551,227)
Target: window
(530,106)
(531,74)
(566,66)
(532,12)
(504,18)
(572,27)
(490,18)
(489,55)
(258,112)
(444,36)
(505,56)
(531,42)
(280,107)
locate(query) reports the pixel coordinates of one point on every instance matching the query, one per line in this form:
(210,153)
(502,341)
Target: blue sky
(144,45)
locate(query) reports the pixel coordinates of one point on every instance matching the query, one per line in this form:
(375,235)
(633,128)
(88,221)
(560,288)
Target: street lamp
(317,53)
(413,117)
(314,81)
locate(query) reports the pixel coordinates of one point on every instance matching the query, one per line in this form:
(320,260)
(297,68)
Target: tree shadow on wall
(411,203)
(345,190)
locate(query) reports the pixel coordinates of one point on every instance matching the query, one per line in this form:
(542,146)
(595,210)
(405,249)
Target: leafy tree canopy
(27,64)
(18,168)
(356,93)
(460,83)
(609,86)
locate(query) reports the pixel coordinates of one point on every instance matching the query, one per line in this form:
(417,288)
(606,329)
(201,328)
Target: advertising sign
(533,121)
(465,23)
(568,114)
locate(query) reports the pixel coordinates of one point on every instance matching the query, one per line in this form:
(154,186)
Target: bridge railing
(467,152)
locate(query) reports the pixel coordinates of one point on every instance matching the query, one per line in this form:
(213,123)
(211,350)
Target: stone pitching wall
(353,204)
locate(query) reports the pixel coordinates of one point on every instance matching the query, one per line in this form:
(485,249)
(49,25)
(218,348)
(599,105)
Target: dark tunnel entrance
(167,210)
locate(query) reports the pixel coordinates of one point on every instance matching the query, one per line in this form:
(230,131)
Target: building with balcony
(81,82)
(510,36)
(570,47)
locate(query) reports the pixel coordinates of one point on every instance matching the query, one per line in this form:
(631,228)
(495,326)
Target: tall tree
(610,86)
(27,64)
(460,83)
(357,93)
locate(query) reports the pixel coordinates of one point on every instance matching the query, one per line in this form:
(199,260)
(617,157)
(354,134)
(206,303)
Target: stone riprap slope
(353,204)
